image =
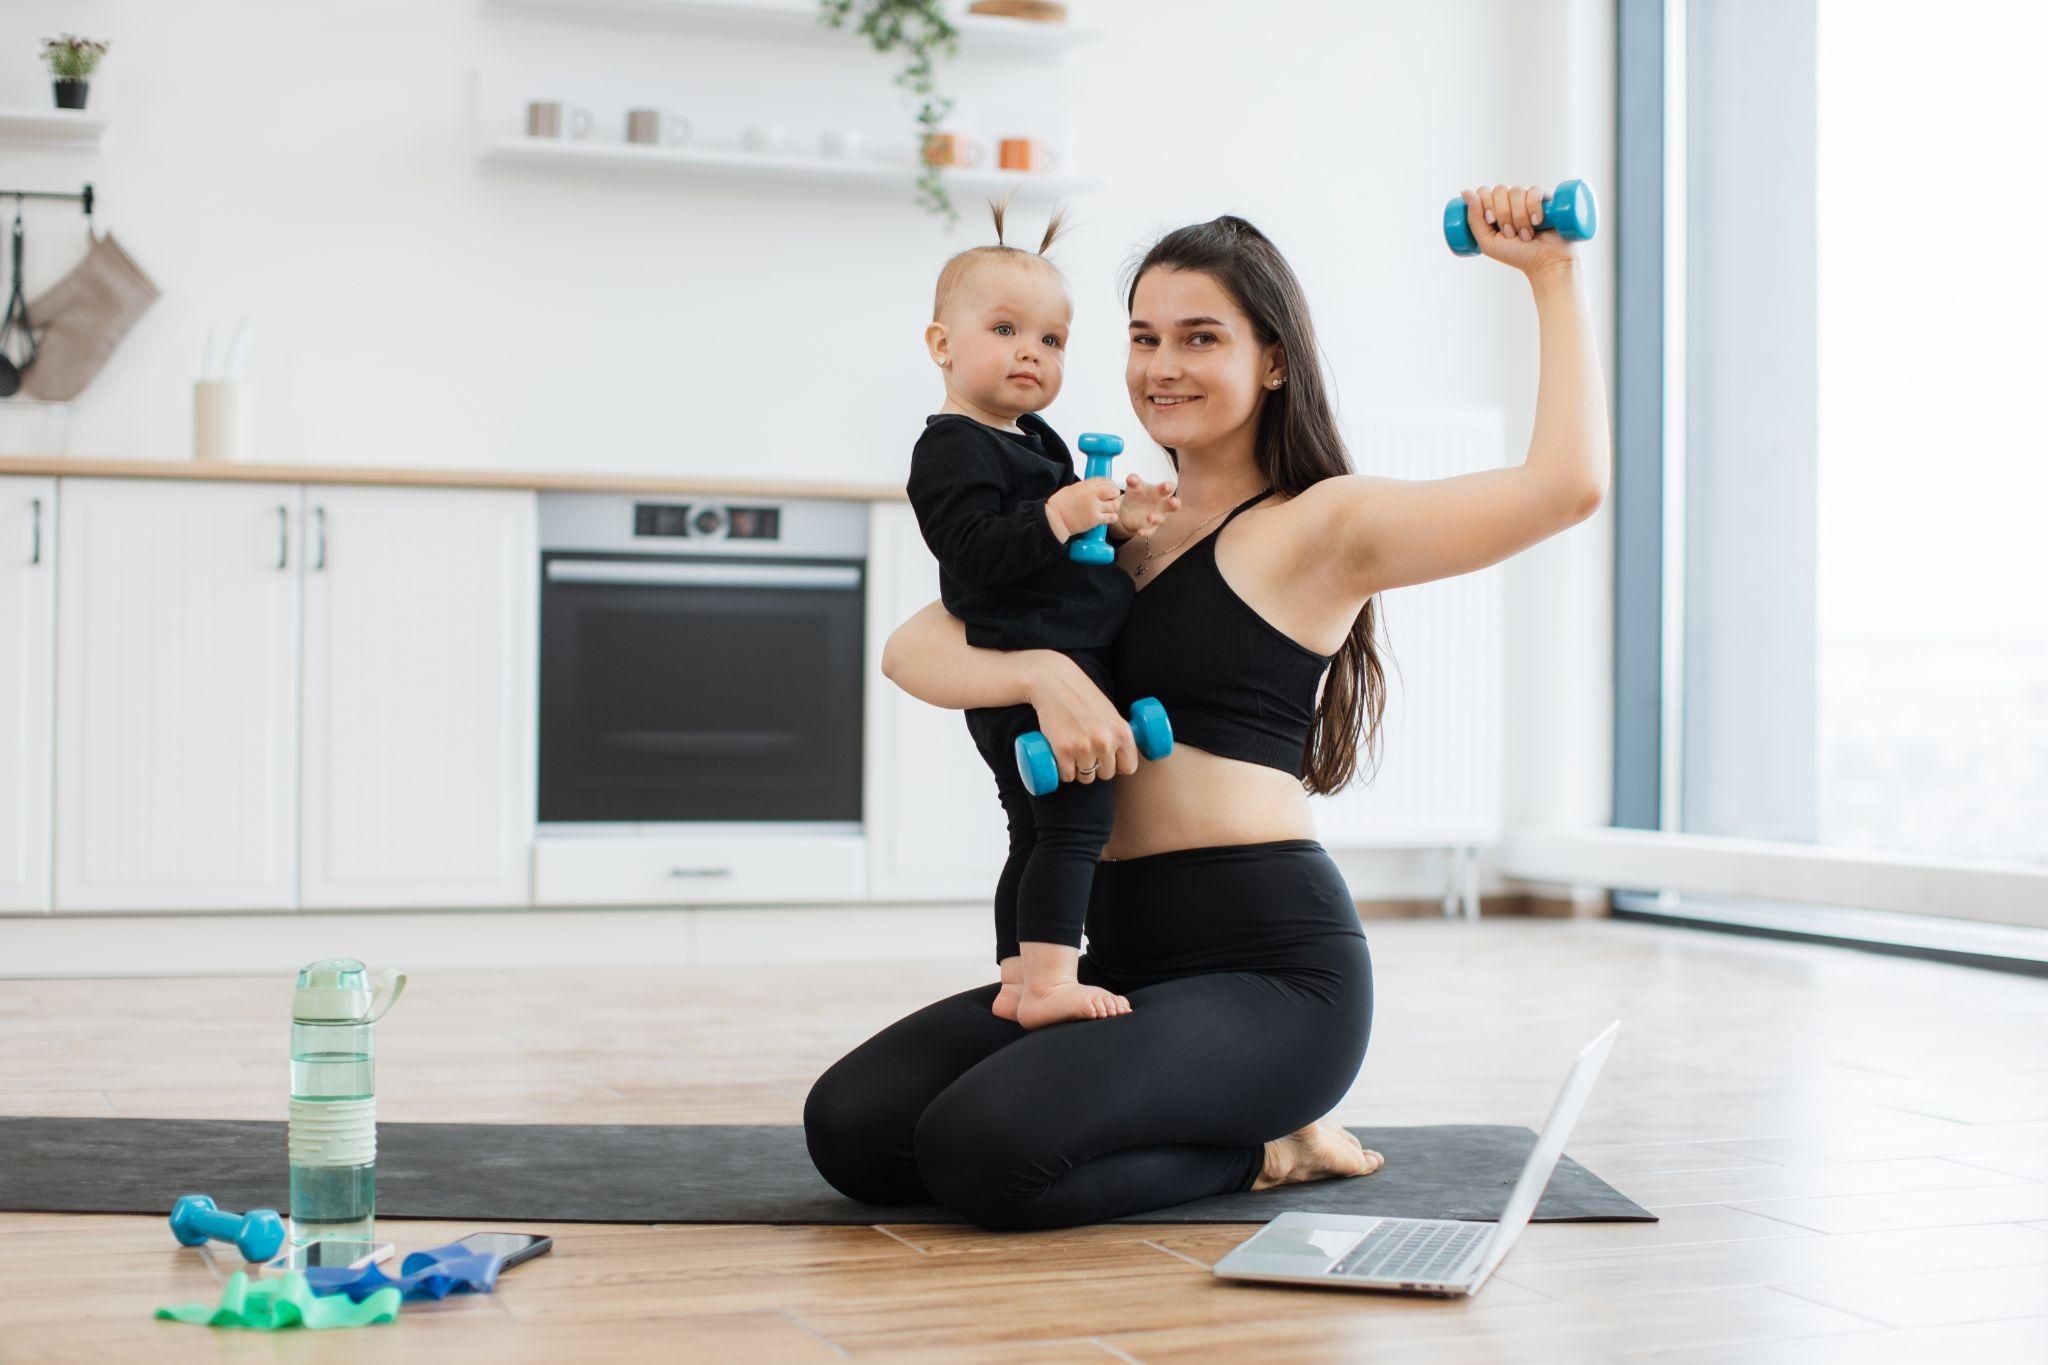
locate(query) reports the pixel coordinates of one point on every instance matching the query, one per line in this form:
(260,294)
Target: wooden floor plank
(1838,1177)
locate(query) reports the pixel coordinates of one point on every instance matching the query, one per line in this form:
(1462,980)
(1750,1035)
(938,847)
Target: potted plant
(71,59)
(917,29)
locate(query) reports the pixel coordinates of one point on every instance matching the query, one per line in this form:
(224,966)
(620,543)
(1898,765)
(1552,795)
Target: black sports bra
(1231,682)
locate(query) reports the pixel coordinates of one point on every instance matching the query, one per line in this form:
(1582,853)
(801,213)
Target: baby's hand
(1145,506)
(1082,506)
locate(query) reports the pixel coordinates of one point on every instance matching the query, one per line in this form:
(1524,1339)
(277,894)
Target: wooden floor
(1849,1154)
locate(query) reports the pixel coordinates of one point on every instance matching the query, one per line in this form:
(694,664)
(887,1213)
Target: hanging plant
(918,29)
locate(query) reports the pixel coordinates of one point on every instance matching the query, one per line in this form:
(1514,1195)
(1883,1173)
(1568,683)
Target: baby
(998,501)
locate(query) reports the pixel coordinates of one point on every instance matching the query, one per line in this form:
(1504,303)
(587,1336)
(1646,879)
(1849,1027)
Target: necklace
(1146,562)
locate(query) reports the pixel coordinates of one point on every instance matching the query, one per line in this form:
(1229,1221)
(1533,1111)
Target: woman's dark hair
(1297,444)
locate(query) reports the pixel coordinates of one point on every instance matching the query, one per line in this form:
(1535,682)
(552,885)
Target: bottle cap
(336,990)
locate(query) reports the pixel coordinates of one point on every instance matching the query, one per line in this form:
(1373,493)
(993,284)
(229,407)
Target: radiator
(1439,778)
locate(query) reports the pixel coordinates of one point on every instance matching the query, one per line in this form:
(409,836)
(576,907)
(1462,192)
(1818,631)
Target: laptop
(1419,1255)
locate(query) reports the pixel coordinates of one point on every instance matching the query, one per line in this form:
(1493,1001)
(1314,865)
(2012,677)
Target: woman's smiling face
(1197,370)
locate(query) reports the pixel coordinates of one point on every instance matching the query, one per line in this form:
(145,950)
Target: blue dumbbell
(257,1234)
(1092,546)
(1569,212)
(1041,771)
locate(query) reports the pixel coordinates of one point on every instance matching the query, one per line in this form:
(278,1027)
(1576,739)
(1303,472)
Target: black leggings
(1251,1002)
(1055,839)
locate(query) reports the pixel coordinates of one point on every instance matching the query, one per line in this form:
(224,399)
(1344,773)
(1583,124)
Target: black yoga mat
(695,1173)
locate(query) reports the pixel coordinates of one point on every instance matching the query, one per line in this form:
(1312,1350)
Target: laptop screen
(1564,1112)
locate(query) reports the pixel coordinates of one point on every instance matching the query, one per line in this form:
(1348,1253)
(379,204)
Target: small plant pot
(70,93)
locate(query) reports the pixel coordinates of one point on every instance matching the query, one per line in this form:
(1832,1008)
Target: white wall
(315,166)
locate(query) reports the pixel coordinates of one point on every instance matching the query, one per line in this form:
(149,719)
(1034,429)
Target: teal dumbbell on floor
(1041,771)
(1569,212)
(257,1234)
(1092,546)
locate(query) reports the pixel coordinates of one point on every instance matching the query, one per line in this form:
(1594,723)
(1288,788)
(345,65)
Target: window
(1831,343)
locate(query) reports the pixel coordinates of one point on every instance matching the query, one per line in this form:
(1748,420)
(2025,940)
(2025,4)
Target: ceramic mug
(544,119)
(951,149)
(839,143)
(648,126)
(1023,154)
(765,137)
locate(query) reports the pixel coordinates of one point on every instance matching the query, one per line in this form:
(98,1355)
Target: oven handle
(636,572)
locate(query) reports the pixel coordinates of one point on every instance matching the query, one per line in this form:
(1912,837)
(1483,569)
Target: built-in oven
(701,661)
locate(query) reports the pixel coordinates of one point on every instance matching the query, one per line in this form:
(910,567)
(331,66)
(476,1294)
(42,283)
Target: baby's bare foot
(1005,1006)
(1321,1151)
(1042,1005)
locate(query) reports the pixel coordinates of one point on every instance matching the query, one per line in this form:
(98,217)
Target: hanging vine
(919,30)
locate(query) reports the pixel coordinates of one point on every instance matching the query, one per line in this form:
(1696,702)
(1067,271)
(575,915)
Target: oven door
(698,688)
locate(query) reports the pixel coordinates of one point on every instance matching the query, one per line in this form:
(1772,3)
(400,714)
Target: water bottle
(332,1135)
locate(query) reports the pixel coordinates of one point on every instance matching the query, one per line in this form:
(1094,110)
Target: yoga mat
(696,1173)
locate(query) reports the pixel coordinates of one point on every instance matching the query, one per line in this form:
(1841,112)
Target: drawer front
(699,871)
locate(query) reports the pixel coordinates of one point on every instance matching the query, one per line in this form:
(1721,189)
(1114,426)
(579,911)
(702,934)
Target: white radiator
(1439,779)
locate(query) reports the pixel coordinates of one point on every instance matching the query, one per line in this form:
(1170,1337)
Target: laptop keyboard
(1408,1250)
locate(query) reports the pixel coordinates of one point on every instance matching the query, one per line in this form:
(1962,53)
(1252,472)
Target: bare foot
(1005,1006)
(1062,1000)
(1322,1151)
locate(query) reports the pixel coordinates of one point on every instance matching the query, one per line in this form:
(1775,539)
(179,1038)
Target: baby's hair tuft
(962,263)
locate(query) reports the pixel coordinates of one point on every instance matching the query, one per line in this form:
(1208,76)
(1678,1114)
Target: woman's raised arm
(928,656)
(1372,533)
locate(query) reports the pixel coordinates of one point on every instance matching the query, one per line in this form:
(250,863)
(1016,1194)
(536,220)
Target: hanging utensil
(17,306)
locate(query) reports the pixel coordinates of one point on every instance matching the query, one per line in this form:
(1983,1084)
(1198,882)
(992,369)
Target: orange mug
(1024,154)
(951,149)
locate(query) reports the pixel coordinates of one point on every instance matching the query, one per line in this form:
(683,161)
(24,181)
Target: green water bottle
(332,1134)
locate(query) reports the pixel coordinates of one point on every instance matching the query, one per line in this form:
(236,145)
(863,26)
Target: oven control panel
(705,521)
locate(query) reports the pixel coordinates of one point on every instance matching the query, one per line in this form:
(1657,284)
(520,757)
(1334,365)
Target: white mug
(544,119)
(839,143)
(765,137)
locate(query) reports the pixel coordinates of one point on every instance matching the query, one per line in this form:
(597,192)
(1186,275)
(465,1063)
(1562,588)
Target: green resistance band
(284,1301)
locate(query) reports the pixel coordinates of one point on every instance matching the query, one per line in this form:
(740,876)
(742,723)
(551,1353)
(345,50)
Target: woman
(1214,911)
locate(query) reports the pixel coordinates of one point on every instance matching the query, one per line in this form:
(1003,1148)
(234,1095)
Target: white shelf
(979,33)
(50,127)
(710,161)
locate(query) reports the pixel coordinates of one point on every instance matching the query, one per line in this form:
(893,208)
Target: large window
(1842,375)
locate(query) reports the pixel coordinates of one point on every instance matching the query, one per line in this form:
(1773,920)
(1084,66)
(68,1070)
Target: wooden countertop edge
(543,481)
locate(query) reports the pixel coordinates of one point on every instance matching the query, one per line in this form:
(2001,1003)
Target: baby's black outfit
(979,493)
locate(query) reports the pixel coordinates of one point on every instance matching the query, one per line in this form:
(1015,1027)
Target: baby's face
(1006,334)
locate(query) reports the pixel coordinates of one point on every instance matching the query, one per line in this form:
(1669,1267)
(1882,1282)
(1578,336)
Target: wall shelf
(980,34)
(687,161)
(25,125)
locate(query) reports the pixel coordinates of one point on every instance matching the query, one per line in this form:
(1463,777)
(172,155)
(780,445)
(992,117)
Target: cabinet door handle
(320,545)
(35,531)
(700,872)
(283,538)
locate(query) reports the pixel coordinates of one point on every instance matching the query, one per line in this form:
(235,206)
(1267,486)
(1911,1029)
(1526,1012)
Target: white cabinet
(420,697)
(177,724)
(935,829)
(275,696)
(28,587)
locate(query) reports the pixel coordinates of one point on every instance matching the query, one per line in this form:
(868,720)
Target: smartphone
(348,1253)
(513,1246)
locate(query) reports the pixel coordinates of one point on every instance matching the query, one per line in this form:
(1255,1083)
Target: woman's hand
(1089,739)
(1504,220)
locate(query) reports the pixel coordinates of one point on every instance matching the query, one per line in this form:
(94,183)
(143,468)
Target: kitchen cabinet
(278,696)
(28,587)
(935,829)
(420,696)
(177,726)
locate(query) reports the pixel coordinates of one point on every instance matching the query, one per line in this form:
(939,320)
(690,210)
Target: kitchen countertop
(545,481)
